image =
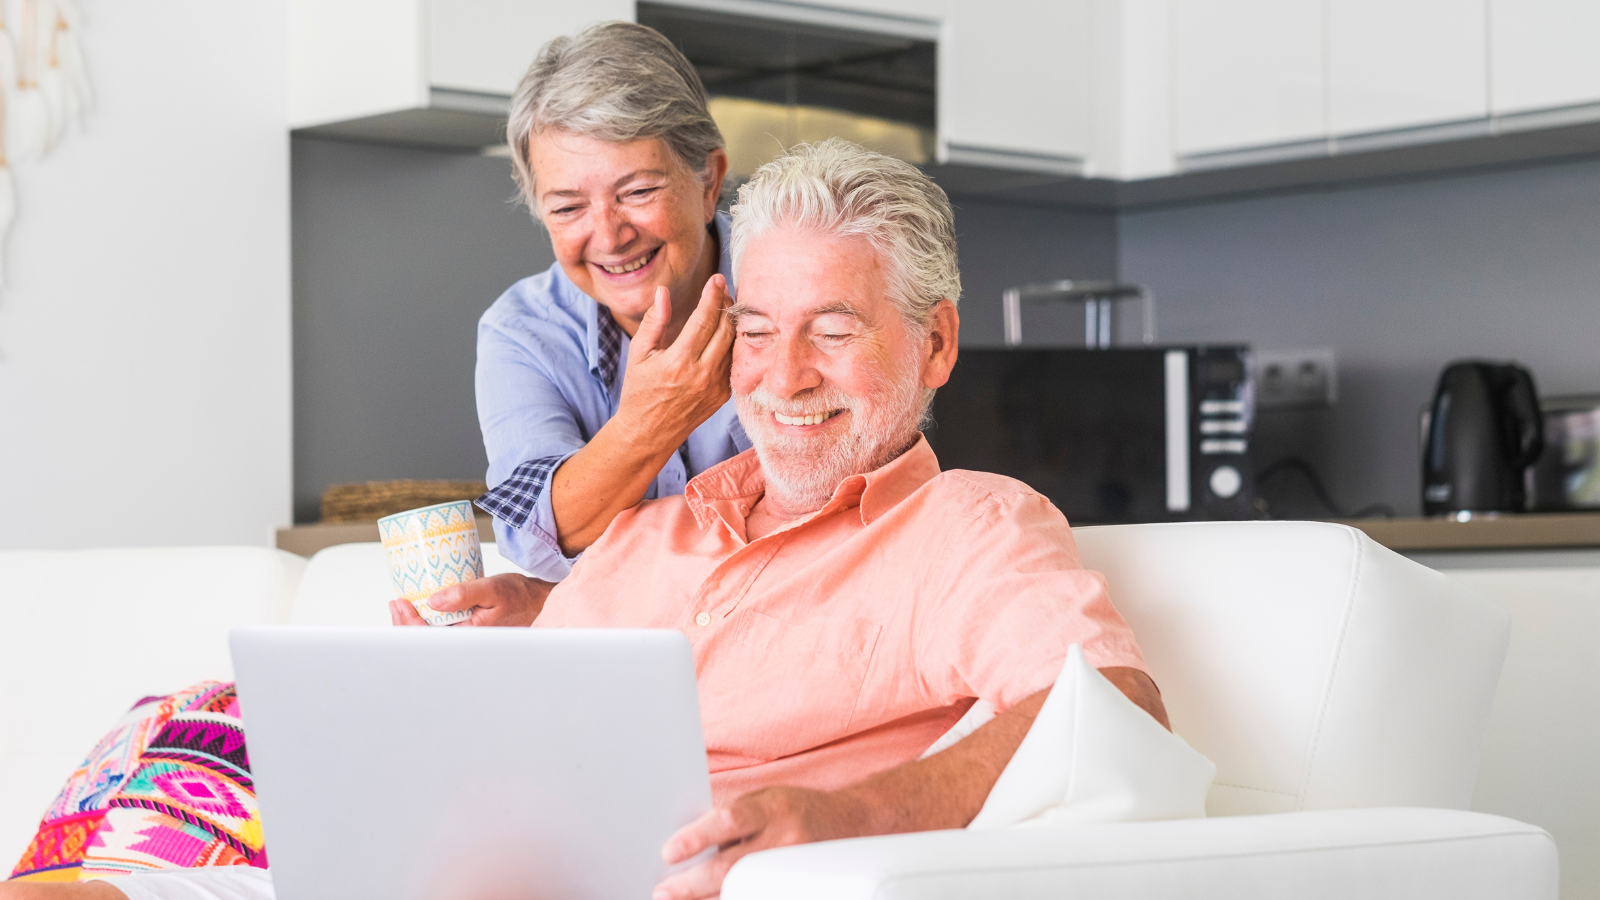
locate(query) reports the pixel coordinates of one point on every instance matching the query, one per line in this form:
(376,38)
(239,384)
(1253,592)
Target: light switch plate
(1295,379)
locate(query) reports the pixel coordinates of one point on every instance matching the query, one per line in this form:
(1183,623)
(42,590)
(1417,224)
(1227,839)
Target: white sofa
(85,633)
(1343,692)
(1275,645)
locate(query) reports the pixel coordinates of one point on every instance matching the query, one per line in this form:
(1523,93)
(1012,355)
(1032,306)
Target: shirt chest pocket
(780,687)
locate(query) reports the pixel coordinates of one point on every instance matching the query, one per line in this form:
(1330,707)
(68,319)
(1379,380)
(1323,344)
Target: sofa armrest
(1404,854)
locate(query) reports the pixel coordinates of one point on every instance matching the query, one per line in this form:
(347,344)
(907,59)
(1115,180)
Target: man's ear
(944,333)
(716,171)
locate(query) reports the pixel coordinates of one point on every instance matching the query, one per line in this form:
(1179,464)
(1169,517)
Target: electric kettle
(1484,430)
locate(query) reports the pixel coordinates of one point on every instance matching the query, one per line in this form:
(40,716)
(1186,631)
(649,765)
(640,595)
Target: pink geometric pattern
(202,791)
(168,787)
(178,847)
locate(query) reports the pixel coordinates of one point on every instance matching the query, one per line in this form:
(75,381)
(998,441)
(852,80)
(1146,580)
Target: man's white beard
(802,473)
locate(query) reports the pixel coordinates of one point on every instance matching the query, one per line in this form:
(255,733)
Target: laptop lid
(470,762)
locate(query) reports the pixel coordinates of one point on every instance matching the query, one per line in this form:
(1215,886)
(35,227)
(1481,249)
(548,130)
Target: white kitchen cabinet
(1015,84)
(1132,90)
(486,45)
(420,69)
(1246,73)
(1543,54)
(1395,65)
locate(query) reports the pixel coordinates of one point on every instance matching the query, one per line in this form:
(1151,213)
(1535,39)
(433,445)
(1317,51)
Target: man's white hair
(838,188)
(617,82)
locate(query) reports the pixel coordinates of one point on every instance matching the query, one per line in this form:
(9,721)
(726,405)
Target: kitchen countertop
(1511,531)
(1507,531)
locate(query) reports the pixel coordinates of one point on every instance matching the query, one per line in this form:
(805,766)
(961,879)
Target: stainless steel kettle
(1484,430)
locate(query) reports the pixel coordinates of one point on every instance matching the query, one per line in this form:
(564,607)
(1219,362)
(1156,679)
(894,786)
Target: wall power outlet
(1295,379)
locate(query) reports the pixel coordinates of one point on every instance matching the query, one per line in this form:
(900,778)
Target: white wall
(144,337)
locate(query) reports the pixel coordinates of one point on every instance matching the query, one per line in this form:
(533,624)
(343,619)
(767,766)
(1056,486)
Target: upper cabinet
(420,71)
(1543,54)
(1124,90)
(485,46)
(442,71)
(1017,97)
(1246,73)
(1395,65)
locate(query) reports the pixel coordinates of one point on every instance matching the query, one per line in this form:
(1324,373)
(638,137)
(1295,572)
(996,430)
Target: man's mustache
(818,401)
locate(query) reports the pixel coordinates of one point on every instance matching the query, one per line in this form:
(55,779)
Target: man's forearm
(947,789)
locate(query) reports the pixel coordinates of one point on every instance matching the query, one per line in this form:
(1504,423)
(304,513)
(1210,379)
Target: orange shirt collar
(730,489)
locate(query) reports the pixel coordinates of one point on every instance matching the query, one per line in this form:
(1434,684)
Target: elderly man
(847,602)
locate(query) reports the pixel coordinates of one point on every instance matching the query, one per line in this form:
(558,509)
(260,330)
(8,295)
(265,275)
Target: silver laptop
(470,763)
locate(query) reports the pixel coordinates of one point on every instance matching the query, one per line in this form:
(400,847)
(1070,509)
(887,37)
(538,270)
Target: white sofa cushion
(1091,755)
(85,633)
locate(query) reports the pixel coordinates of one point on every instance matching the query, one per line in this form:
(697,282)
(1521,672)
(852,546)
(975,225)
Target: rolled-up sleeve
(531,423)
(524,520)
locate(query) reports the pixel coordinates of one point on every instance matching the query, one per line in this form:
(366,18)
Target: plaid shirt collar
(605,347)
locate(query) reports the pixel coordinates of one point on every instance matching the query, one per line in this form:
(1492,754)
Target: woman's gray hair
(618,82)
(838,188)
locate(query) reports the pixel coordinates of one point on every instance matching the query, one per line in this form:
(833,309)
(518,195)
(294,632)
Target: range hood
(775,83)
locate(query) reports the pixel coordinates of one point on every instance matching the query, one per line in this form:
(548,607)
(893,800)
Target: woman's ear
(716,171)
(944,334)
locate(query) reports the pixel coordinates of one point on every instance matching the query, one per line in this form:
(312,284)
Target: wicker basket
(372,501)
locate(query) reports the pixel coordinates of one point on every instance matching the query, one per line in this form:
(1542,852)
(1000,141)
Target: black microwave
(1135,434)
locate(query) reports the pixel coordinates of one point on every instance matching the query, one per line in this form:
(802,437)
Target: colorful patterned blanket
(169,787)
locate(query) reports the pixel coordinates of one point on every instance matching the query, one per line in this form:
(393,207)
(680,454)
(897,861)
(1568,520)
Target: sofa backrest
(349,584)
(1316,668)
(85,633)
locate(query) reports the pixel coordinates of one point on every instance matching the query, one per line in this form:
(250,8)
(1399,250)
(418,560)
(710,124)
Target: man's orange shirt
(847,642)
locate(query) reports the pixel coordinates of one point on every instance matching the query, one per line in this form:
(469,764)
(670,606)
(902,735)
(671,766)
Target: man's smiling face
(828,376)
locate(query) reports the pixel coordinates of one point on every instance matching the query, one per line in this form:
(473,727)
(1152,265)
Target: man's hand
(505,600)
(759,820)
(946,790)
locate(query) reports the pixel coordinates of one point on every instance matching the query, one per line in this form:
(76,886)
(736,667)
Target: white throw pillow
(1092,755)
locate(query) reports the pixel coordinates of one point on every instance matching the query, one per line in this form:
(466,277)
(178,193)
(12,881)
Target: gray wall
(396,254)
(1004,246)
(1399,278)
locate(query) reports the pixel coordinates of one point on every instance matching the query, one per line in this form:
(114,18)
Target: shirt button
(702,620)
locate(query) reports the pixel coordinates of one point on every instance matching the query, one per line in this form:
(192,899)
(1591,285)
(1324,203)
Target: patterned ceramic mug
(430,549)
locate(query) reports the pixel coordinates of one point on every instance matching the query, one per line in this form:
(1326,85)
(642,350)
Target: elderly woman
(600,382)
(604,380)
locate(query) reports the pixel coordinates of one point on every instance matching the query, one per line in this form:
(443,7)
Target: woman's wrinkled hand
(668,391)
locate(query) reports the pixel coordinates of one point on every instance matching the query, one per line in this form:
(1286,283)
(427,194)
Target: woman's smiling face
(625,219)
